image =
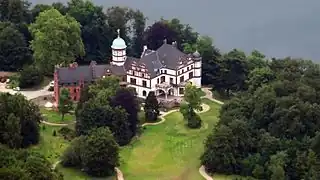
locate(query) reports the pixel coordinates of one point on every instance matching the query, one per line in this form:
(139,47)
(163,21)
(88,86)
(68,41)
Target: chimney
(145,47)
(73,65)
(174,43)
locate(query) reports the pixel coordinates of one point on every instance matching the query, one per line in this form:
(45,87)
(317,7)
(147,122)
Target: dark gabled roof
(152,63)
(170,56)
(86,73)
(74,74)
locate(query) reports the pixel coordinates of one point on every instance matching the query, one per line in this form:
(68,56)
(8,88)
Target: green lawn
(50,146)
(55,117)
(169,150)
(201,92)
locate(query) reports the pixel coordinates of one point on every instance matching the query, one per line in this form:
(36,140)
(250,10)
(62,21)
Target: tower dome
(118,43)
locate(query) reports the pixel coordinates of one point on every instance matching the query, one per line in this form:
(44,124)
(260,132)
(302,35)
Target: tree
(15,11)
(19,121)
(12,135)
(192,96)
(30,76)
(232,73)
(126,99)
(96,153)
(139,25)
(65,102)
(14,51)
(57,40)
(259,76)
(280,120)
(256,60)
(151,107)
(25,165)
(171,30)
(95,31)
(210,56)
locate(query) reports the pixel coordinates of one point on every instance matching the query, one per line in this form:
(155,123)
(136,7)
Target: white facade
(166,81)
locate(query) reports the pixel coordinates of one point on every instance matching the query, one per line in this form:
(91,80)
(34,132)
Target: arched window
(144,93)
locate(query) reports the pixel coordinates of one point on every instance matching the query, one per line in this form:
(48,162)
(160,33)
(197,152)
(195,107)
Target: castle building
(164,71)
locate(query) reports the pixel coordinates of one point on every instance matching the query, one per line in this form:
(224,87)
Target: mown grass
(53,116)
(169,150)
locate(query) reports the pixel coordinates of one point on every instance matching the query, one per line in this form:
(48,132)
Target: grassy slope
(169,150)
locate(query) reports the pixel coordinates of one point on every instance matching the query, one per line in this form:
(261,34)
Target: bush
(71,156)
(30,76)
(67,133)
(194,121)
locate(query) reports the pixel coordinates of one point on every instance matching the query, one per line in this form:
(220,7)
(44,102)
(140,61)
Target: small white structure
(48,105)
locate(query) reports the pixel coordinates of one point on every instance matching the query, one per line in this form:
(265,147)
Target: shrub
(67,133)
(194,121)
(30,76)
(71,156)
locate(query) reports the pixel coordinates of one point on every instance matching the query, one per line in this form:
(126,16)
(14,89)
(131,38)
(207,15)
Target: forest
(269,126)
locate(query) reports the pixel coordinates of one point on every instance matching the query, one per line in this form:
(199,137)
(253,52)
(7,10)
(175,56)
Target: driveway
(28,94)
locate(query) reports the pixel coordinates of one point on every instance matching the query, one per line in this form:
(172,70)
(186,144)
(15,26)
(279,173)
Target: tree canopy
(57,39)
(265,132)
(19,121)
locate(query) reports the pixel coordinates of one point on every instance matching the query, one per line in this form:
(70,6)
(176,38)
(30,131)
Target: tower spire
(118,31)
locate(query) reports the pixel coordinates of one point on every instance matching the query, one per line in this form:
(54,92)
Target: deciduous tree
(14,51)
(57,40)
(65,102)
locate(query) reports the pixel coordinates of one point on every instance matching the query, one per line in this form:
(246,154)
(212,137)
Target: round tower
(197,68)
(118,51)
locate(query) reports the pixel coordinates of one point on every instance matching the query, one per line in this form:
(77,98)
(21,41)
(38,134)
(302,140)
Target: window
(165,71)
(74,98)
(144,83)
(190,75)
(74,90)
(171,80)
(191,66)
(188,68)
(181,91)
(158,81)
(178,72)
(163,79)
(144,93)
(143,75)
(182,70)
(181,79)
(133,81)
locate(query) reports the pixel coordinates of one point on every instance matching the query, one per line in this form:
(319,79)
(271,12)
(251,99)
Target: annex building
(164,71)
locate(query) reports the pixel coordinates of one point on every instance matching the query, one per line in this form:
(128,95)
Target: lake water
(278,28)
